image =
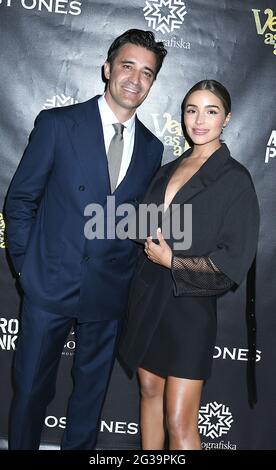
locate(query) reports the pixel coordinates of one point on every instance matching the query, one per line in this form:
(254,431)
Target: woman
(171,329)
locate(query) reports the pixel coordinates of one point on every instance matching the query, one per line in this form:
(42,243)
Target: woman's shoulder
(239,172)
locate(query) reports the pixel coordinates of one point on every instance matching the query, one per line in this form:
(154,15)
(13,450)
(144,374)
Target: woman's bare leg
(182,407)
(152,410)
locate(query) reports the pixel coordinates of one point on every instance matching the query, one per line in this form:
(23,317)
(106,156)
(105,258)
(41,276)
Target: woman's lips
(200,131)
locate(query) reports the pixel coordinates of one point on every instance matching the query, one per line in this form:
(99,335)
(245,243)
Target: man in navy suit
(67,279)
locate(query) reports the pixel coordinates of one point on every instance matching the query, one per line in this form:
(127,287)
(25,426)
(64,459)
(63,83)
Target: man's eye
(148,74)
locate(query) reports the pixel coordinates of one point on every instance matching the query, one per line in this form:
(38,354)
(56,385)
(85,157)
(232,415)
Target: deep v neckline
(206,173)
(168,179)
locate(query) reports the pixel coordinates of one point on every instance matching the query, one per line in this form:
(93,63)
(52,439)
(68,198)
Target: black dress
(171,324)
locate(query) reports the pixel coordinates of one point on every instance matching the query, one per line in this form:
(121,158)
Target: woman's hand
(160,254)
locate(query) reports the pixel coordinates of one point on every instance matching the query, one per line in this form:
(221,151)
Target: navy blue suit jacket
(63,169)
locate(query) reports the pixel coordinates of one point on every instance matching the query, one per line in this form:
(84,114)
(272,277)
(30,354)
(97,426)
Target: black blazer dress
(171,325)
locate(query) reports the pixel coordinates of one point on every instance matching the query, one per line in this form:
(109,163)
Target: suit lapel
(139,163)
(207,173)
(195,185)
(88,142)
(134,158)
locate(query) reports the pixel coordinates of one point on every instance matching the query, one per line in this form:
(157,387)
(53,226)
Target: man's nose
(135,76)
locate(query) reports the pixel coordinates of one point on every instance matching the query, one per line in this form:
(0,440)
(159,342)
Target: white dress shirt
(108,118)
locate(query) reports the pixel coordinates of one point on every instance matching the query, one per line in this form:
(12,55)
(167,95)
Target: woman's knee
(181,424)
(151,385)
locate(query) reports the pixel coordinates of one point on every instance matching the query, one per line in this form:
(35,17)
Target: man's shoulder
(148,134)
(76,112)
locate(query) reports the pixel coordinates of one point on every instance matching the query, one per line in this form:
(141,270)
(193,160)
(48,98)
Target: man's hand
(160,254)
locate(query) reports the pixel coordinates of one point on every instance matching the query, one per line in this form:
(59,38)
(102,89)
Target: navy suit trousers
(39,348)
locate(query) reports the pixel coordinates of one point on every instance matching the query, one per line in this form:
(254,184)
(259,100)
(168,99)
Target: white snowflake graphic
(58,101)
(164,15)
(214,420)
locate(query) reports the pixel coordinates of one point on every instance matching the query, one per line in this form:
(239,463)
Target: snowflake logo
(58,101)
(214,420)
(164,15)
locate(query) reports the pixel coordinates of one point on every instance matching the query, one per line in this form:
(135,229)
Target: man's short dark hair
(138,37)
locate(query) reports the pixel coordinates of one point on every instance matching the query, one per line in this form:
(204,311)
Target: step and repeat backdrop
(52,52)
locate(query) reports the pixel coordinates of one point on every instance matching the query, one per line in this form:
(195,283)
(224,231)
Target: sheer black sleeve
(198,276)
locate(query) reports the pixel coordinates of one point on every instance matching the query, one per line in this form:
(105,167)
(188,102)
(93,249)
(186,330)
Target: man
(78,155)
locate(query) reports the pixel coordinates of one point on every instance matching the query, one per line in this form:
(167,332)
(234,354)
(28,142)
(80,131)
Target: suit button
(81,188)
(86,258)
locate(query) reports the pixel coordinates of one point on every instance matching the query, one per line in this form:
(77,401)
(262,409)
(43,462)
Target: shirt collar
(109,118)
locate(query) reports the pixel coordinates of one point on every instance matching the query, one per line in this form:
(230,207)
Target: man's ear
(107,70)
